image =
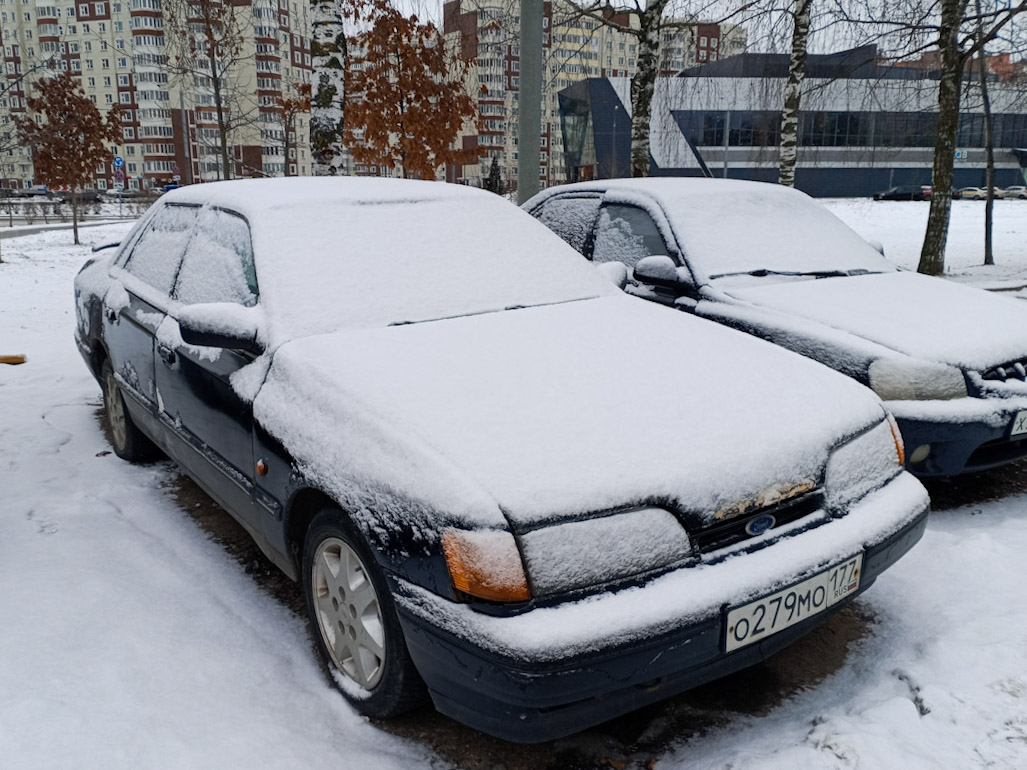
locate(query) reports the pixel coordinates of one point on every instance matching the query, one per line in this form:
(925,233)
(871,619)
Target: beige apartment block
(124,54)
(574,48)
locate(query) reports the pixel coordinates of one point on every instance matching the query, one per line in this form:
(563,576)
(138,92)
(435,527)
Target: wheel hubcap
(348,614)
(115,411)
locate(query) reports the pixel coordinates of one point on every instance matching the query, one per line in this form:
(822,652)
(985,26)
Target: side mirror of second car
(658,271)
(221,325)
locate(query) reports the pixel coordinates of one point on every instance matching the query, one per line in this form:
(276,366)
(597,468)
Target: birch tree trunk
(643,83)
(789,152)
(328,54)
(989,144)
(932,255)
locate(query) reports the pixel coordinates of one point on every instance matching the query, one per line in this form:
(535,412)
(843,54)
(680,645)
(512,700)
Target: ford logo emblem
(760,524)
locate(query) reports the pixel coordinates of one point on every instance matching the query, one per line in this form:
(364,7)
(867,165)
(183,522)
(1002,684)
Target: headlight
(600,550)
(863,464)
(486,564)
(905,379)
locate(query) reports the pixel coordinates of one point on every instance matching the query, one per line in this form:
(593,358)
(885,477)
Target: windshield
(337,264)
(767,231)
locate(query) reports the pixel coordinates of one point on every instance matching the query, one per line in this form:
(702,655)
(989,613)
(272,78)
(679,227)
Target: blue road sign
(118,161)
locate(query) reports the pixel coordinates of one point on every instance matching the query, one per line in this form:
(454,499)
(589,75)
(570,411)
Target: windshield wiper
(763,272)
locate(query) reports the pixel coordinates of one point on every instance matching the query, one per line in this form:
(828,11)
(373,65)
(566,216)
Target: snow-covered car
(542,502)
(948,360)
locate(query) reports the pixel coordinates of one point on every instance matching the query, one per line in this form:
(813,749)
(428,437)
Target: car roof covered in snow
(346,252)
(728,226)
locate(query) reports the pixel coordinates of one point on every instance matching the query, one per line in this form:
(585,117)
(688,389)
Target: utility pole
(529,104)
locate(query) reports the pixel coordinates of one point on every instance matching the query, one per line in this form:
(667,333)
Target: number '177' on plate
(757,620)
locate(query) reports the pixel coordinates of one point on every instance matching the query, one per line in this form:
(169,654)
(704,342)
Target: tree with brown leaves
(405,96)
(67,135)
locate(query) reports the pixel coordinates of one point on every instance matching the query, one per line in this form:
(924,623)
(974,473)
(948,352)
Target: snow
(528,414)
(381,273)
(928,318)
(130,640)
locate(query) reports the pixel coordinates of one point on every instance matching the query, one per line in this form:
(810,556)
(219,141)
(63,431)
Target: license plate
(757,620)
(1019,424)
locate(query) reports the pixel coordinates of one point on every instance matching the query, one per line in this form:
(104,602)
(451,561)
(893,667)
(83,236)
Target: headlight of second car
(907,379)
(863,464)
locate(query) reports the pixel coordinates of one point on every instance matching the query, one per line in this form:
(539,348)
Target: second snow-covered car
(948,360)
(501,482)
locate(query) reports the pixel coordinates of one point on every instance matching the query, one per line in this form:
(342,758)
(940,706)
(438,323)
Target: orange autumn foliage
(405,98)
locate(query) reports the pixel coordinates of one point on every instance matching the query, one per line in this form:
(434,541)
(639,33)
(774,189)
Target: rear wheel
(128,441)
(354,622)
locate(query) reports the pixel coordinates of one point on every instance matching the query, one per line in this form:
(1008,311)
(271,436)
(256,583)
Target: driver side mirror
(221,325)
(659,271)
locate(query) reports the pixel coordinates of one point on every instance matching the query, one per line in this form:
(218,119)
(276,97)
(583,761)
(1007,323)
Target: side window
(626,234)
(218,265)
(570,218)
(158,252)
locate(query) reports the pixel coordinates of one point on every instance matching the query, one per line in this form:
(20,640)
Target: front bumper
(965,435)
(553,671)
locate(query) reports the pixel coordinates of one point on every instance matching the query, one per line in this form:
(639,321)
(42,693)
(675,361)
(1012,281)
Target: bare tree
(206,41)
(288,109)
(989,142)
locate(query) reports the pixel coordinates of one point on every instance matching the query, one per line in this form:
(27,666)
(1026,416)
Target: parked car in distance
(123,193)
(772,262)
(447,452)
(926,190)
(1015,191)
(906,192)
(978,193)
(32,192)
(85,195)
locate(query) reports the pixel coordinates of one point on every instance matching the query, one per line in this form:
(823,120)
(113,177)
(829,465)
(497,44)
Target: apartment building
(125,53)
(574,48)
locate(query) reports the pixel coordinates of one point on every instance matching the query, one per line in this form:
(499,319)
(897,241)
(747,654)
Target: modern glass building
(864,126)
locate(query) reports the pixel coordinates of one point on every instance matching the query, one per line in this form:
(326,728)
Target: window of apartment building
(620,61)
(119,26)
(130,133)
(702,55)
(99,8)
(132,167)
(713,42)
(107,81)
(28,34)
(123,62)
(83,10)
(702,40)
(28,16)
(102,26)
(126,97)
(105,64)
(116,7)
(122,80)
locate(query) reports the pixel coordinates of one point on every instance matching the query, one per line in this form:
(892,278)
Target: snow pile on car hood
(929,318)
(557,410)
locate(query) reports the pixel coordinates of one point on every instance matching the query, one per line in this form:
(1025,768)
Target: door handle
(166,354)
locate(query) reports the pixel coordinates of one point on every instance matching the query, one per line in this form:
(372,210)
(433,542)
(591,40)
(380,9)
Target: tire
(127,440)
(353,620)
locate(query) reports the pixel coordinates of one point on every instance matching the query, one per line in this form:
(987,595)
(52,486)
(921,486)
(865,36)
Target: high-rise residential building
(126,53)
(575,47)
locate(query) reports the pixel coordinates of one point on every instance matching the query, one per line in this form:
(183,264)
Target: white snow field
(129,640)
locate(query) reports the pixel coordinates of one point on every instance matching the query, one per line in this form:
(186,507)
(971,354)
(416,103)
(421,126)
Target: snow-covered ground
(128,639)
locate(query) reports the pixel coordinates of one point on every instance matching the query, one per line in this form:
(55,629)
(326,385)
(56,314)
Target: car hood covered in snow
(929,318)
(523,415)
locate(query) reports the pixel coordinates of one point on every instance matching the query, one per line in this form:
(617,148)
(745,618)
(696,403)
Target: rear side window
(218,265)
(626,234)
(570,218)
(157,254)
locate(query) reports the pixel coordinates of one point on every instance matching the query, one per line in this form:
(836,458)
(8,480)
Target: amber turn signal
(486,564)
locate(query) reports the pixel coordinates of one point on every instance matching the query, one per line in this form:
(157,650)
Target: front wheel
(128,441)
(354,622)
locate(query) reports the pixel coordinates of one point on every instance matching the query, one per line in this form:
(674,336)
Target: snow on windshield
(726,228)
(328,265)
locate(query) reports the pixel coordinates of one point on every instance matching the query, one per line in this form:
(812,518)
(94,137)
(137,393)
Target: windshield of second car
(337,265)
(773,234)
